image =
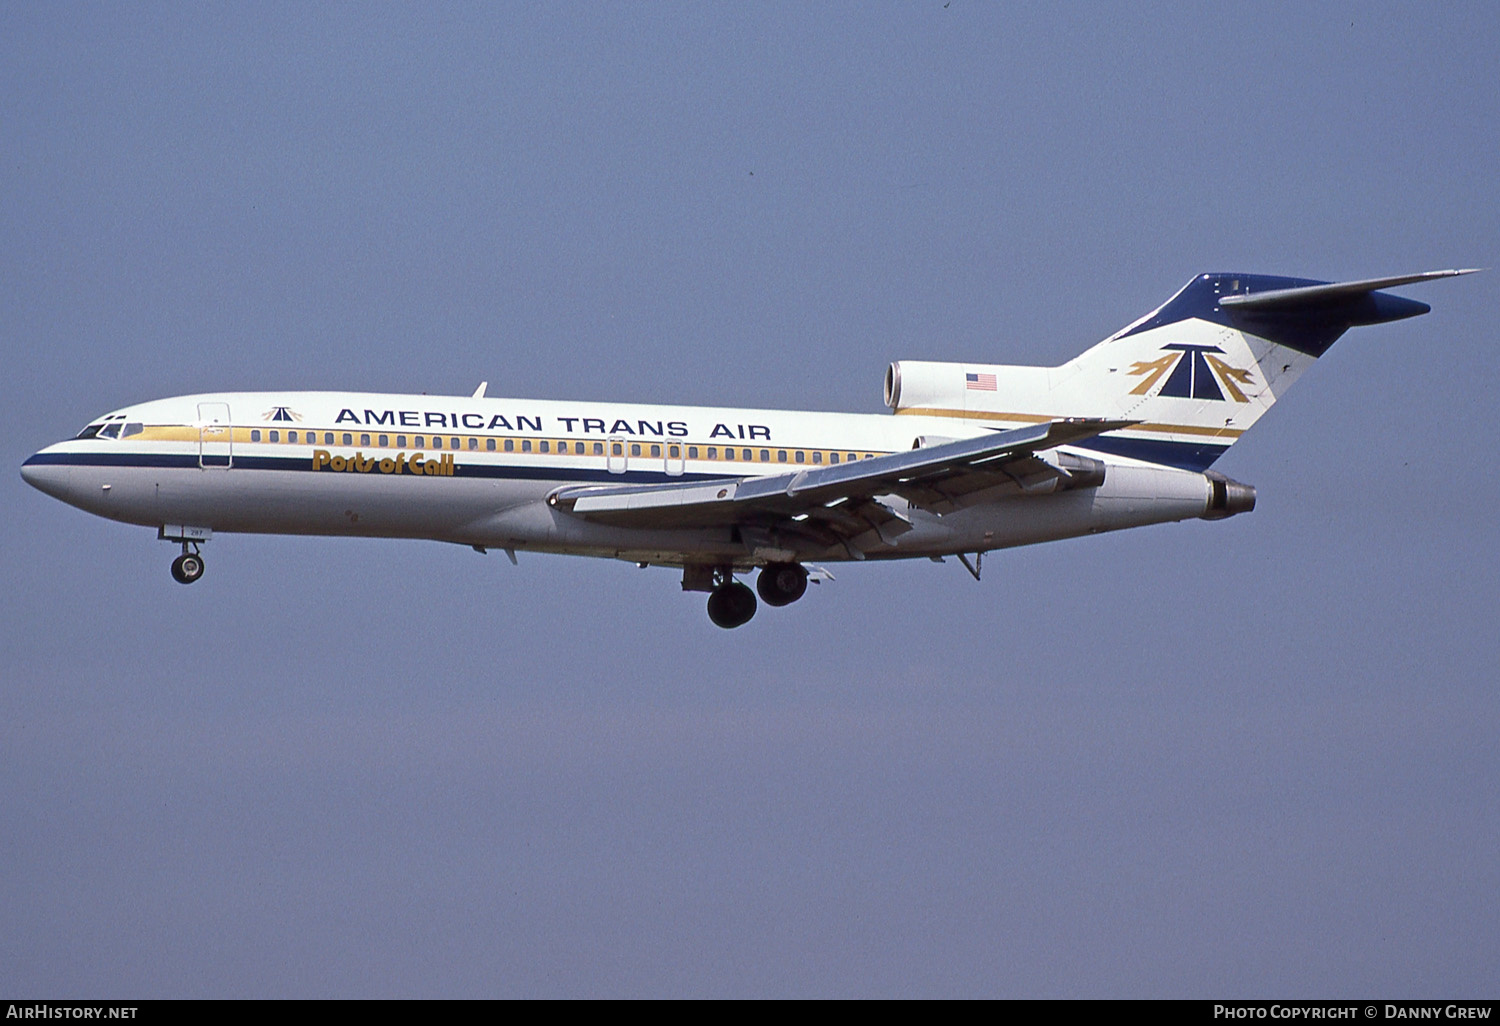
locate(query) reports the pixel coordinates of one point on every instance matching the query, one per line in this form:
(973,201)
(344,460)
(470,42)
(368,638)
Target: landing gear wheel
(731,605)
(781,584)
(187,568)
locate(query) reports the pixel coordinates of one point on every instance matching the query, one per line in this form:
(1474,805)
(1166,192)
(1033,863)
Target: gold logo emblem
(1192,372)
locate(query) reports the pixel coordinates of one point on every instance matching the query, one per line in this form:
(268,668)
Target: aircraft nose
(45,476)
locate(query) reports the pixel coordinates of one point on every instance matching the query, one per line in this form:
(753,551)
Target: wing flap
(611,499)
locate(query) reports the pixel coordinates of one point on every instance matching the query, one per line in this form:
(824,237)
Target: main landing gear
(187,567)
(732,604)
(781,584)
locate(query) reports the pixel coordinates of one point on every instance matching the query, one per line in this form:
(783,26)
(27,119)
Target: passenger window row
(470,443)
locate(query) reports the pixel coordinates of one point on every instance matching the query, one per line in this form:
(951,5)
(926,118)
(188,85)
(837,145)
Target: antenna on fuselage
(479,392)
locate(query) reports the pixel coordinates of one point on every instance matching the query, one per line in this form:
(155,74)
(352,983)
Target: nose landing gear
(187,567)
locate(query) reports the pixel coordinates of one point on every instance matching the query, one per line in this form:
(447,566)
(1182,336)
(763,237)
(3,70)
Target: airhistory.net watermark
(67,1010)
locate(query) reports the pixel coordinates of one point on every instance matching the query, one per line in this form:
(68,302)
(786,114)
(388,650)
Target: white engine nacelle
(924,384)
(906,379)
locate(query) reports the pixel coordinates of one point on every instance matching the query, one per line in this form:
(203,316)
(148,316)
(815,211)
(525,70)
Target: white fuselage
(478,471)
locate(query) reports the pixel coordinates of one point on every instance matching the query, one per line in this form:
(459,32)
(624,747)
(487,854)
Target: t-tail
(1194,374)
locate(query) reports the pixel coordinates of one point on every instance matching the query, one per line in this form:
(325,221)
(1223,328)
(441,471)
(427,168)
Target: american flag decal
(979,382)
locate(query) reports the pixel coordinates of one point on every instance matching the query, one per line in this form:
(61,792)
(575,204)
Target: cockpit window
(111,430)
(134,427)
(90,431)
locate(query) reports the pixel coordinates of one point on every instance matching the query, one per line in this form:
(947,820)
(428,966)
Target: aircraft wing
(836,503)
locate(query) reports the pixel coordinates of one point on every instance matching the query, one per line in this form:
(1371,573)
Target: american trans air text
(972,457)
(427,420)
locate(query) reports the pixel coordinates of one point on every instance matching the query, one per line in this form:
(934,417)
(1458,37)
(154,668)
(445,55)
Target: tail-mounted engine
(1226,497)
(923,385)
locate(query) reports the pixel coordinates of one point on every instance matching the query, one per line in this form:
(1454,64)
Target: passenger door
(215,437)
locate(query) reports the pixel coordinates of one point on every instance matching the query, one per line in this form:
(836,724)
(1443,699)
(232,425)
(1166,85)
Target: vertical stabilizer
(1196,373)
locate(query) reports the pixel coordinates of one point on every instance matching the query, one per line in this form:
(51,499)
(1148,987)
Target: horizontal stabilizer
(1312,297)
(1298,313)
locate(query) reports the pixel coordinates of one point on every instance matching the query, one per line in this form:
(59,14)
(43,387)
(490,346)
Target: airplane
(977,457)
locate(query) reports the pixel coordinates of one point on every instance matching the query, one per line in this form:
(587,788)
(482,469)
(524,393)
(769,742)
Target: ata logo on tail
(1196,373)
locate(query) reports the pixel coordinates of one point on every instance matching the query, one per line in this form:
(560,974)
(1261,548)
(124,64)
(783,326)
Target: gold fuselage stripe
(773,454)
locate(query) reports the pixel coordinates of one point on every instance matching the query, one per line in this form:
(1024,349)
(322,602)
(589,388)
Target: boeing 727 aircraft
(978,457)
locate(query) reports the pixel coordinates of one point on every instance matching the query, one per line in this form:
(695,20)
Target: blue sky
(1229,759)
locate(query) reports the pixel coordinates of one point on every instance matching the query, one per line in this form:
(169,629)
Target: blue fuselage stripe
(1194,456)
(188,461)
